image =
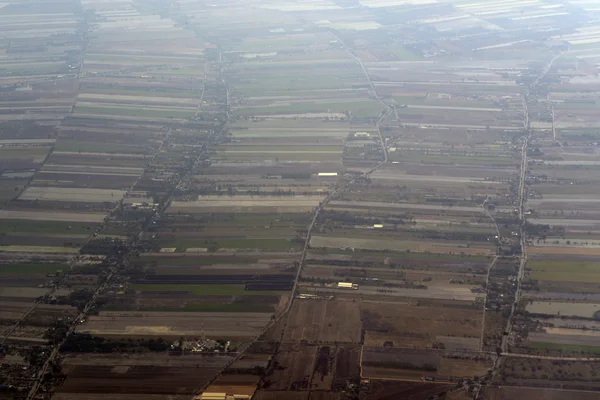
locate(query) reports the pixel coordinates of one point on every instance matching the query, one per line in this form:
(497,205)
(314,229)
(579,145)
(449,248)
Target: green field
(135,112)
(263,243)
(408,256)
(407,156)
(99,147)
(128,91)
(25,268)
(27,152)
(565,271)
(236,307)
(565,348)
(360,108)
(16,225)
(9,189)
(205,290)
(308,156)
(262,148)
(178,259)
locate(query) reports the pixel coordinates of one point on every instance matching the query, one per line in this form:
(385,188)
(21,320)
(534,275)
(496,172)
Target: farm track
(523,242)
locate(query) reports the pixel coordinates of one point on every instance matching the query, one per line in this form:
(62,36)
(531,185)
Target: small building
(325,174)
(347,285)
(378,226)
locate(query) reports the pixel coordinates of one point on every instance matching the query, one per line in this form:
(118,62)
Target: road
(374,92)
(305,249)
(313,222)
(521,203)
(133,247)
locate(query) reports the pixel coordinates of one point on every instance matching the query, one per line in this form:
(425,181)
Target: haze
(299,199)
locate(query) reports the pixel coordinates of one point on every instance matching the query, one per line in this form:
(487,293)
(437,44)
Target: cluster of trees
(86,343)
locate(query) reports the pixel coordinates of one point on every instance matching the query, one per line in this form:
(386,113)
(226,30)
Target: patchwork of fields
(299,200)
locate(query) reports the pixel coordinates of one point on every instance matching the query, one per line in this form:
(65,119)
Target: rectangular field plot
(278,204)
(584,310)
(511,393)
(176,324)
(295,368)
(389,363)
(323,321)
(72,194)
(136,379)
(421,326)
(398,245)
(564,271)
(50,216)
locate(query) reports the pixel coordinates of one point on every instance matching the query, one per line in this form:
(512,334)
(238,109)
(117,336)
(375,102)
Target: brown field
(347,366)
(176,324)
(51,216)
(271,395)
(323,321)
(552,251)
(116,396)
(326,396)
(390,363)
(388,390)
(322,377)
(136,379)
(72,361)
(292,369)
(512,393)
(237,389)
(411,325)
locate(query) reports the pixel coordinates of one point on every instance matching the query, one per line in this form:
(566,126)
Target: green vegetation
(262,243)
(138,91)
(24,268)
(359,108)
(410,156)
(408,256)
(99,147)
(262,148)
(27,152)
(235,307)
(204,290)
(310,156)
(565,271)
(17,225)
(565,348)
(136,112)
(10,189)
(193,260)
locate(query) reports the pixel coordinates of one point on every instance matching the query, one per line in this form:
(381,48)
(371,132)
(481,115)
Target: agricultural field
(304,200)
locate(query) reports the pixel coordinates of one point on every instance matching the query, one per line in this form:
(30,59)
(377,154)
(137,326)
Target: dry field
(395,245)
(116,396)
(136,379)
(420,326)
(510,393)
(176,324)
(294,368)
(323,321)
(67,194)
(53,216)
(257,204)
(390,363)
(585,310)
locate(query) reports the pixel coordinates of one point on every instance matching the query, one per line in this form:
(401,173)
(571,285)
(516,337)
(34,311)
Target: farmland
(300,200)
